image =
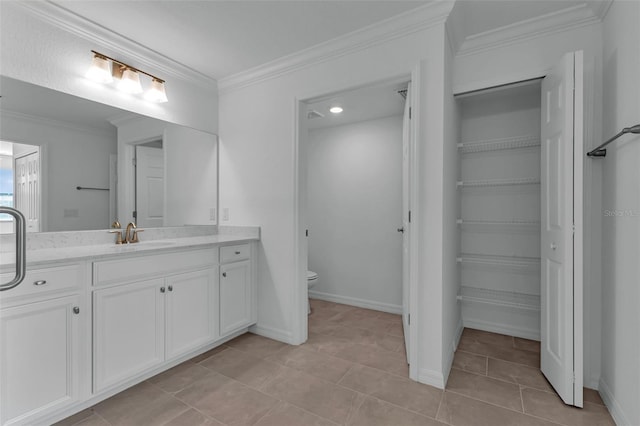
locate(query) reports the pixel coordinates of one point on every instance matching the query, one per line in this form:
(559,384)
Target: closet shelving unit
(499,218)
(488,183)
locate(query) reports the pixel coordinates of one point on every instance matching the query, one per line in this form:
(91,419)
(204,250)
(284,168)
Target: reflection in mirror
(72,164)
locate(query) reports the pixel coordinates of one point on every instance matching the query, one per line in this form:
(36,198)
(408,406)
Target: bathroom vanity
(89,321)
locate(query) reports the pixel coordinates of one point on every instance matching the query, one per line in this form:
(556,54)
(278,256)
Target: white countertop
(105,251)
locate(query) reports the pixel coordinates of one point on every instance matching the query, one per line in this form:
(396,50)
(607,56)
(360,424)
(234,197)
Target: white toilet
(312,279)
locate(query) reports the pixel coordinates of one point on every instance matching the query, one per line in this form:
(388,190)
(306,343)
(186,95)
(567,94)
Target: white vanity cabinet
(41,343)
(237,288)
(139,325)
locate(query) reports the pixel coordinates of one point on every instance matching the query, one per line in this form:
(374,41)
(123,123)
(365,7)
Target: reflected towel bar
(600,152)
(93,189)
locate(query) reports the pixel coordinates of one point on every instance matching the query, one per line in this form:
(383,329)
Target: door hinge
(135,215)
(409,216)
(134,162)
(409,319)
(409,113)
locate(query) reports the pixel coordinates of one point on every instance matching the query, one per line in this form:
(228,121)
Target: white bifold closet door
(561,226)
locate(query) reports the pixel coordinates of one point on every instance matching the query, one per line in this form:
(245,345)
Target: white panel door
(149,186)
(39,358)
(235,296)
(191,304)
(406,135)
(128,323)
(561,255)
(27,189)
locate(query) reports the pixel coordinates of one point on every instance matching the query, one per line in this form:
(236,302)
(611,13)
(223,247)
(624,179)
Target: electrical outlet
(225,213)
(212,214)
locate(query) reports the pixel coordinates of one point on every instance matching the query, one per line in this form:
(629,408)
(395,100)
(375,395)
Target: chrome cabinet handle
(162,290)
(170,288)
(40,282)
(237,252)
(224,274)
(401,229)
(76,310)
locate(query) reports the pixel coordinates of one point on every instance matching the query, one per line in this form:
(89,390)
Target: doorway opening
(21,185)
(354,178)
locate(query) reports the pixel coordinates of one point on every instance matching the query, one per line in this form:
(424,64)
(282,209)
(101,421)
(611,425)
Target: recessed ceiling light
(335,110)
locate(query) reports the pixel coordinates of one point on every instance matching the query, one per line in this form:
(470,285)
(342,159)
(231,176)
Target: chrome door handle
(21,251)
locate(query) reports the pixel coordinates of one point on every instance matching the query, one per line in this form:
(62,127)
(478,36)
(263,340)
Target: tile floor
(351,371)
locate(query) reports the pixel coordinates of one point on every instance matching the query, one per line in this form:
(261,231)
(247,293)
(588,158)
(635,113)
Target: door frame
(127,177)
(299,332)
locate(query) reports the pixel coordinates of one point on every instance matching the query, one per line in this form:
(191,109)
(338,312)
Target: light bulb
(130,82)
(156,92)
(335,110)
(100,70)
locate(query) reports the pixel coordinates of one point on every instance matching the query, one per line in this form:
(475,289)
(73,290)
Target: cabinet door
(190,320)
(235,296)
(39,358)
(128,334)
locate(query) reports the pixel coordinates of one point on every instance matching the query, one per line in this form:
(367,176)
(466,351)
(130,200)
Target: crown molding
(68,21)
(600,7)
(37,120)
(560,21)
(401,25)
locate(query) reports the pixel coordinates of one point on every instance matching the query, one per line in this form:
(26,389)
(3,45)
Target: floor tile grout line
(521,398)
(440,405)
(502,380)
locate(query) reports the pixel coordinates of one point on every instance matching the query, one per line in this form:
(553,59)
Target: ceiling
(221,38)
(367,103)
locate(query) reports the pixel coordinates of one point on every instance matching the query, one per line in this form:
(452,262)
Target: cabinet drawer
(157,265)
(234,253)
(43,281)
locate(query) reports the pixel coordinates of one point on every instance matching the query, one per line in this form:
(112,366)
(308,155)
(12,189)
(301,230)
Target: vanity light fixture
(100,69)
(156,92)
(335,110)
(104,69)
(130,82)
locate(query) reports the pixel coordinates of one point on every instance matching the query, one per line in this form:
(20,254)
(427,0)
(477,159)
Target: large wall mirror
(72,164)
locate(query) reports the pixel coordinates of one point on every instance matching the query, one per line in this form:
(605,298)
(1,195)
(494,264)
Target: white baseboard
(431,377)
(614,407)
(353,301)
(272,333)
(448,362)
(503,328)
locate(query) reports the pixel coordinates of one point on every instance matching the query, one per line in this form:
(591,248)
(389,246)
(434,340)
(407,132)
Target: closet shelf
(526,141)
(497,182)
(516,262)
(501,298)
(524,224)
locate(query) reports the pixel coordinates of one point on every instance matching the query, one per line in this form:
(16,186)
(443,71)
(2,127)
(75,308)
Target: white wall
(70,157)
(191,176)
(620,382)
(451,313)
(36,51)
(257,170)
(354,204)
